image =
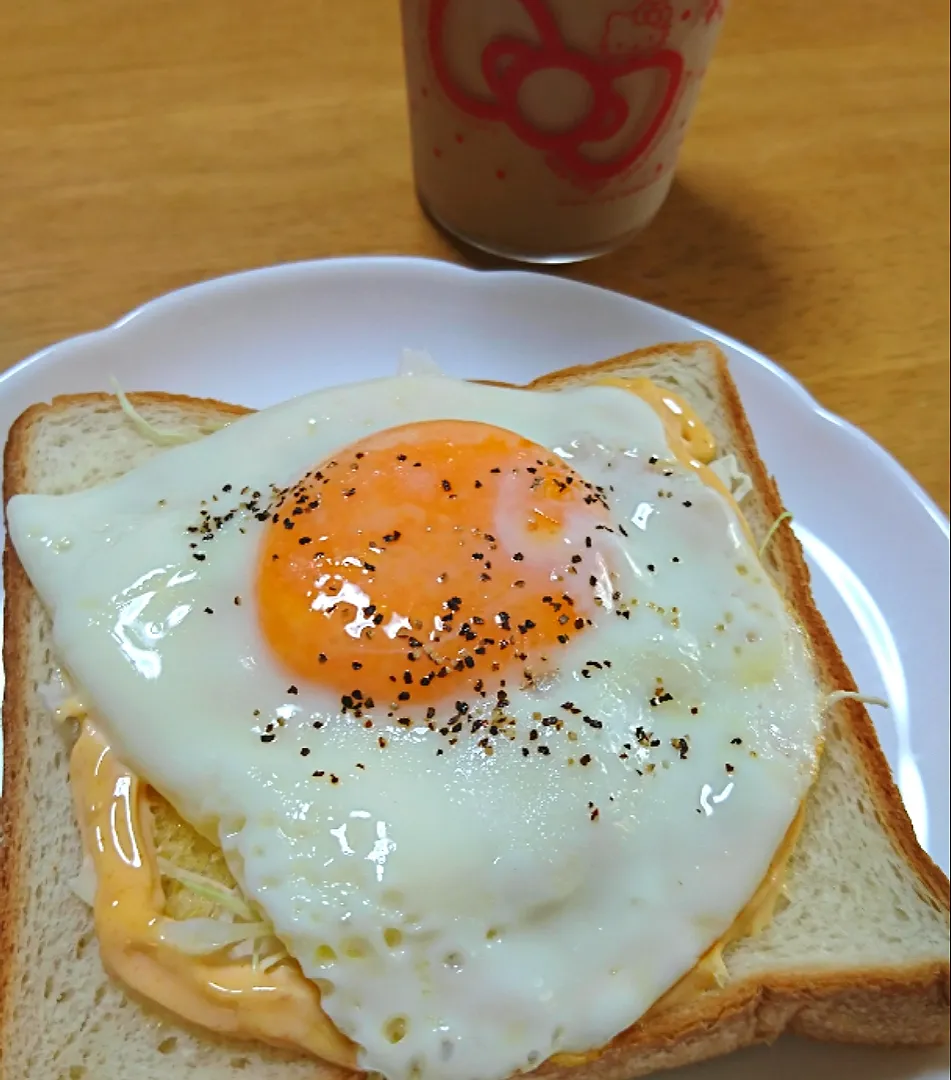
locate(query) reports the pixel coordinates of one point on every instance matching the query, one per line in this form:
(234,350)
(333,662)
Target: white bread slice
(858,951)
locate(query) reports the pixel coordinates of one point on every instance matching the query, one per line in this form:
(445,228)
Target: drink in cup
(548,130)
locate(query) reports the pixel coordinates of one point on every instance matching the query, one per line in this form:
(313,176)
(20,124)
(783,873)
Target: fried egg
(484,694)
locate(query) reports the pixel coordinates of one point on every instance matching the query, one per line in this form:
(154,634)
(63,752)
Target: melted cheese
(281,1006)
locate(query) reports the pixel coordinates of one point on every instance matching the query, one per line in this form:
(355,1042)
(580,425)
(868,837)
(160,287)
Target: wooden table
(146,146)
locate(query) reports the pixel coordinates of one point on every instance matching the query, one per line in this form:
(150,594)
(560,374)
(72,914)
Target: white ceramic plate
(878,547)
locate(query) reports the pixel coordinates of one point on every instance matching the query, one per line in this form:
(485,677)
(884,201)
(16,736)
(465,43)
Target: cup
(548,130)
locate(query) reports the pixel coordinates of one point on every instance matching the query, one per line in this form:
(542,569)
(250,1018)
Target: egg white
(467,914)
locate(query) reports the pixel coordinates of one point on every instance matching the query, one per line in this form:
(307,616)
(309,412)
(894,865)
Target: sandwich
(435,729)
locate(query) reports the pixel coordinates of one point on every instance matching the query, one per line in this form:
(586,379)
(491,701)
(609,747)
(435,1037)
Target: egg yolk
(430,560)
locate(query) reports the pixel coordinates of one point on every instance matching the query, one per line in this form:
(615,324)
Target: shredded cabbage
(154,434)
(198,936)
(208,888)
(239,929)
(252,935)
(84,883)
(784,516)
(853,695)
(732,476)
(273,960)
(60,698)
(264,952)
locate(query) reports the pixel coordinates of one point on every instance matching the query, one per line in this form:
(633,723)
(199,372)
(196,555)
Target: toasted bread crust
(12,834)
(907,1005)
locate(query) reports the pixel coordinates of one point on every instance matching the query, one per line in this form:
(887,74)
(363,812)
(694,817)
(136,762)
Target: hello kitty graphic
(631,83)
